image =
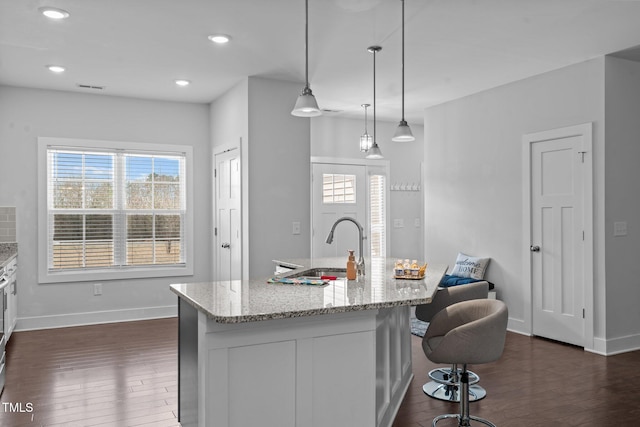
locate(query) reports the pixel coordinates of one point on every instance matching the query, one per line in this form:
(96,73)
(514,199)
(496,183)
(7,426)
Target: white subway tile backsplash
(7,224)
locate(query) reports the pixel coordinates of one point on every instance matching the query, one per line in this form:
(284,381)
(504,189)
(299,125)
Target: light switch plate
(296,227)
(398,223)
(620,228)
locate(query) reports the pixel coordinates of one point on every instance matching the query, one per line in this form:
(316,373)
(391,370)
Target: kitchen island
(272,354)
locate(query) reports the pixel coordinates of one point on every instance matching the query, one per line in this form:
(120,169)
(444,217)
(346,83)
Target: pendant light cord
(402,60)
(365,118)
(374,96)
(306,44)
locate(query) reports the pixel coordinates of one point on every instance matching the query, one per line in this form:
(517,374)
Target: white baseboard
(609,347)
(517,326)
(95,317)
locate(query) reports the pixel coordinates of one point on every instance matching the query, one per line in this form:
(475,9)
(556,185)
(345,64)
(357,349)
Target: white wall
(275,168)
(279,179)
(26,114)
(473,188)
(229,128)
(339,138)
(622,201)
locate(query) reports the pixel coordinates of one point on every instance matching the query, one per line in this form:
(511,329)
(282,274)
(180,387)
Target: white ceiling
(454,48)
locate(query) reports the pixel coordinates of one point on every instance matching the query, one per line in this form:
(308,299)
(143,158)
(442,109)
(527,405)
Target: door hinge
(583,313)
(215,173)
(215,231)
(582,234)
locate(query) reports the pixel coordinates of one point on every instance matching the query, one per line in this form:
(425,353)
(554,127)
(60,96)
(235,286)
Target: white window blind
(378,219)
(114,209)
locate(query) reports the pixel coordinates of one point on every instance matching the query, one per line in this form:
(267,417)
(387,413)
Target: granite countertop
(7,252)
(236,301)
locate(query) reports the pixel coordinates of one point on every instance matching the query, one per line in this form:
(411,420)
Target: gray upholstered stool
(466,332)
(445,382)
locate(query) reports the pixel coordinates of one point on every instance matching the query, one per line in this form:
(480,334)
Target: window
(112,210)
(338,188)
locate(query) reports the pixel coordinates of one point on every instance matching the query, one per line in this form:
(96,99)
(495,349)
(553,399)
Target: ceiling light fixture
(374,152)
(182,82)
(306,104)
(53,12)
(56,68)
(403,131)
(219,38)
(366,141)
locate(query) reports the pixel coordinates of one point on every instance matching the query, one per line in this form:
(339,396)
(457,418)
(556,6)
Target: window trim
(133,272)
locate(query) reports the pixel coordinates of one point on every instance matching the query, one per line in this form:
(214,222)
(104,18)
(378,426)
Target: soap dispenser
(352,270)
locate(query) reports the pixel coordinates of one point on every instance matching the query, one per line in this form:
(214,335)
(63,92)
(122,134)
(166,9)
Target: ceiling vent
(82,86)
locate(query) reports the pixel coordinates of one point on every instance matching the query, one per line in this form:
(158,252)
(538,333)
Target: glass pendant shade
(403,133)
(374,152)
(366,142)
(306,104)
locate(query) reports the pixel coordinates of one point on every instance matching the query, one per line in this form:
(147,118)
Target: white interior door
(338,190)
(228,219)
(558,271)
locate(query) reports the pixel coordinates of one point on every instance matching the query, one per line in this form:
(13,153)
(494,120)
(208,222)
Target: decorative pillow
(449,280)
(468,266)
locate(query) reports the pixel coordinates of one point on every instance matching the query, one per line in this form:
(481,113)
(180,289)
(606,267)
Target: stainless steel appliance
(4,281)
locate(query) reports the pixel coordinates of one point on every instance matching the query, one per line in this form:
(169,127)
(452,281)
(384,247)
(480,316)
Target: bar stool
(445,382)
(466,332)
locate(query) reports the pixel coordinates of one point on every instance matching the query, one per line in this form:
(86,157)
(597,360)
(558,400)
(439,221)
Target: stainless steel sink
(319,272)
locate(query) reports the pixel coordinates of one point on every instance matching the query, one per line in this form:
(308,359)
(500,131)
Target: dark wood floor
(119,374)
(538,383)
(125,374)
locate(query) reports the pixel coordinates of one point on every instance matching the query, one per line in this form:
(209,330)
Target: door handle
(226,245)
(534,248)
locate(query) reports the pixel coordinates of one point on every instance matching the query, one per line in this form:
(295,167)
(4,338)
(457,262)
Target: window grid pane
(338,188)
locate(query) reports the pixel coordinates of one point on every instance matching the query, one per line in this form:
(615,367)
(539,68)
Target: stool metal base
(445,375)
(446,382)
(464,418)
(461,422)
(451,392)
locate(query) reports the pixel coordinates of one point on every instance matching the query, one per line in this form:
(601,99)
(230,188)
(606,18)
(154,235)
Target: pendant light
(366,141)
(403,131)
(306,105)
(374,152)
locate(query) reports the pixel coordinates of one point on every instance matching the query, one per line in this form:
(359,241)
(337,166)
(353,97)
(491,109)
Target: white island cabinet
(270,354)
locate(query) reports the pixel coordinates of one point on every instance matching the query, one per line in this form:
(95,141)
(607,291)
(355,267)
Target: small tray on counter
(409,277)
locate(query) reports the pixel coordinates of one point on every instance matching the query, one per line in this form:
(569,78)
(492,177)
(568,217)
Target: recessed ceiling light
(219,38)
(56,68)
(182,82)
(53,12)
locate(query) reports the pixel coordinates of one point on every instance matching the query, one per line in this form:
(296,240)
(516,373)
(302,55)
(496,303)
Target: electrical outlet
(620,228)
(97,289)
(398,223)
(296,227)
(416,222)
